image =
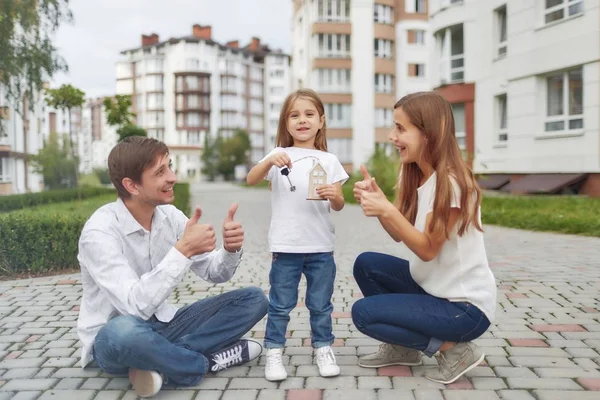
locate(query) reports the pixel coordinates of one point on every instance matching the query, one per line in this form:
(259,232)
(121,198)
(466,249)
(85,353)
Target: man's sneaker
(145,383)
(274,370)
(239,353)
(326,362)
(391,354)
(455,362)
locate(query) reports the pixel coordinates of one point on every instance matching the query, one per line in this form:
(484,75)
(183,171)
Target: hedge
(43,240)
(20,201)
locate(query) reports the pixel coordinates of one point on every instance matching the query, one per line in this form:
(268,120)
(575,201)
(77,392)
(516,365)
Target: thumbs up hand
(197,238)
(233,233)
(362,186)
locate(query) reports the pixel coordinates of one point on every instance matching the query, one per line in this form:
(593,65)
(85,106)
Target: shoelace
(274,360)
(326,357)
(227,358)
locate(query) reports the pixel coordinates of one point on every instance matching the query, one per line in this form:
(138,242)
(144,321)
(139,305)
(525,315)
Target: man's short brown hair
(130,158)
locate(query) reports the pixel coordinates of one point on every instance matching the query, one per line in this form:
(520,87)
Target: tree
(130,130)
(66,97)
(28,58)
(118,113)
(210,157)
(54,163)
(233,151)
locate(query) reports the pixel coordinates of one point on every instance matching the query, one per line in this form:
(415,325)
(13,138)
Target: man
(133,253)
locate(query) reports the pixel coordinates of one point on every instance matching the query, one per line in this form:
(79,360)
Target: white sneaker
(274,370)
(326,362)
(145,383)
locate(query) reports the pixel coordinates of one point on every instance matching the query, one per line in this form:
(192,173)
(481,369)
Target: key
(285,172)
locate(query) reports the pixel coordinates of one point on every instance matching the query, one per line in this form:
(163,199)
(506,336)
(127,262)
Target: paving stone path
(544,344)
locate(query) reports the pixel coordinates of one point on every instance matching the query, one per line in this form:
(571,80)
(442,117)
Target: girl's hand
(280,159)
(328,192)
(373,202)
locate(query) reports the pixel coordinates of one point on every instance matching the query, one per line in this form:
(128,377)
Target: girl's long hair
(284,138)
(432,115)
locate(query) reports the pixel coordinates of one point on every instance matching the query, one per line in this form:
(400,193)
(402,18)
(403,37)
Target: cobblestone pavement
(544,344)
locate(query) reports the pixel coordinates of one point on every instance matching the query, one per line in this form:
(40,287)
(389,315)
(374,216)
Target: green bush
(45,238)
(19,201)
(182,197)
(38,243)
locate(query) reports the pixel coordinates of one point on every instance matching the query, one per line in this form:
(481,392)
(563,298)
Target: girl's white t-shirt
(299,225)
(460,272)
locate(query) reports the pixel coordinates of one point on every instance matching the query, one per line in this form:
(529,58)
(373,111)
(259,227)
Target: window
(501,119)
(384,118)
(333,10)
(4,139)
(155,101)
(564,101)
(458,110)
(416,70)
(383,48)
(382,14)
(555,10)
(338,115)
(500,14)
(192,64)
(420,6)
(341,147)
(154,66)
(451,54)
(334,80)
(416,37)
(5,170)
(384,83)
(333,45)
(278,73)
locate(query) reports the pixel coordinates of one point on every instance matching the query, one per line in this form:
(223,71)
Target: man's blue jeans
(397,310)
(178,349)
(286,271)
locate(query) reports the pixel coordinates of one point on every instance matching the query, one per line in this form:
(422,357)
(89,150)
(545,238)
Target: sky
(101,29)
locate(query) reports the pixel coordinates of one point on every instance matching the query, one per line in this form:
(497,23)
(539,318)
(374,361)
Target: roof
(544,183)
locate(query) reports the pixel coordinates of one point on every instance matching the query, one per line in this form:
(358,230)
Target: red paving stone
(259,335)
(339,314)
(357,295)
(338,343)
(13,355)
(558,328)
(33,338)
(75,308)
(394,370)
(461,384)
(589,310)
(304,394)
(67,282)
(516,295)
(590,383)
(527,343)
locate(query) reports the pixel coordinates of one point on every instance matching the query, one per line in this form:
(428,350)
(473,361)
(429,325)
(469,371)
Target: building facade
(184,89)
(361,56)
(523,77)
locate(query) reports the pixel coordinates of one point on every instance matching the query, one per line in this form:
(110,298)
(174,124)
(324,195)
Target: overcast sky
(102,28)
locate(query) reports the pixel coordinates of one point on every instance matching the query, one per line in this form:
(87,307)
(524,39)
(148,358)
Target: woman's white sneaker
(326,362)
(274,370)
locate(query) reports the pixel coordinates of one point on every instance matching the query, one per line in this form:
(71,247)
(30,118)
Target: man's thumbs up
(231,212)
(195,217)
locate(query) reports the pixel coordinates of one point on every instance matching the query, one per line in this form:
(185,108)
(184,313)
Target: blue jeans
(286,271)
(178,349)
(397,310)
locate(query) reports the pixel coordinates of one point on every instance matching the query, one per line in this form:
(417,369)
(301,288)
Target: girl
(301,236)
(444,295)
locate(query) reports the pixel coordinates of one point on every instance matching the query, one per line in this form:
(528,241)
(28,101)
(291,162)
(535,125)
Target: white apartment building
(95,130)
(16,145)
(524,80)
(361,56)
(186,88)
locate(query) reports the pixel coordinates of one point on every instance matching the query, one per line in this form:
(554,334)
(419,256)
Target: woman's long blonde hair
(432,115)
(284,138)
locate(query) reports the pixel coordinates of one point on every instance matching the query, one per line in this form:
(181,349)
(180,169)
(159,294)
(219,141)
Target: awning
(544,183)
(493,182)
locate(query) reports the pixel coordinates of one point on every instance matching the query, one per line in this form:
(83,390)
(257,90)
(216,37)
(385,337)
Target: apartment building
(100,136)
(361,56)
(186,88)
(20,137)
(523,77)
